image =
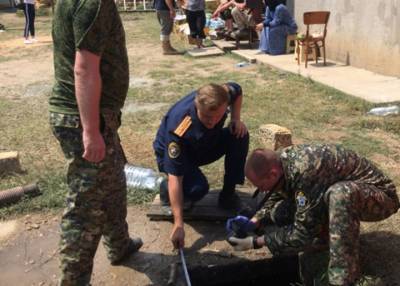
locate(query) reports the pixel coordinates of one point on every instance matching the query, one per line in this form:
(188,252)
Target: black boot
(164,197)
(228,199)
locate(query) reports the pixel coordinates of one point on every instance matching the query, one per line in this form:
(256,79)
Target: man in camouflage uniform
(321,193)
(92,77)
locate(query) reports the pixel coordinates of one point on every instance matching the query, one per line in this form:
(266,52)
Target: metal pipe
(15,194)
(185,268)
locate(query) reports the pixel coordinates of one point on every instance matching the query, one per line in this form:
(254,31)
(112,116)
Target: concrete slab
(205,52)
(231,45)
(354,81)
(225,45)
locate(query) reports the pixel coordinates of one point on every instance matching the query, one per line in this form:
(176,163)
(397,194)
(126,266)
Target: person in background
(29,12)
(277,25)
(224,11)
(246,15)
(196,18)
(165,10)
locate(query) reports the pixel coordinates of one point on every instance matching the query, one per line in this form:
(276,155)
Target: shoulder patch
(183,126)
(174,150)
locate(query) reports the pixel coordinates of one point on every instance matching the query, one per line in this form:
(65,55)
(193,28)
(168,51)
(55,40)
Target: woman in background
(29,12)
(277,25)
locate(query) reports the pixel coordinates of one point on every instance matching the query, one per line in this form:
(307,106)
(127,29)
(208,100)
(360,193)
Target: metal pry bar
(185,271)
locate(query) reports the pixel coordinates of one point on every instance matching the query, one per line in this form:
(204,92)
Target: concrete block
(9,163)
(274,137)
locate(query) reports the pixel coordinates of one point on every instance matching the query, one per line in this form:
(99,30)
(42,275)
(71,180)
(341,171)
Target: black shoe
(134,245)
(240,34)
(166,208)
(164,196)
(187,205)
(165,203)
(229,201)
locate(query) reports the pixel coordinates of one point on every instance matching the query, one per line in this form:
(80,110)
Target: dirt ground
(28,245)
(29,251)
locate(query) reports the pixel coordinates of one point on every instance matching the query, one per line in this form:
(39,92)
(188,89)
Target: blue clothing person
(182,153)
(278,24)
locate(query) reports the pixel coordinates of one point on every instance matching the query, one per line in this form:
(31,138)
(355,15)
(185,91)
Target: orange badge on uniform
(174,150)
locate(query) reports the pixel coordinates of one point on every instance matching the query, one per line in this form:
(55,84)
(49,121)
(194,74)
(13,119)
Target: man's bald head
(261,162)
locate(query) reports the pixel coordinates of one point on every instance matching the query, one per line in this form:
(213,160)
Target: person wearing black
(29,12)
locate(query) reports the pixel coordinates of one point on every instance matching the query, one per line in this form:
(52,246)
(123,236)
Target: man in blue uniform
(192,134)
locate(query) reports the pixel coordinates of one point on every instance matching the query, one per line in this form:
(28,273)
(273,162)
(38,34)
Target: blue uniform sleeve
(175,156)
(235,90)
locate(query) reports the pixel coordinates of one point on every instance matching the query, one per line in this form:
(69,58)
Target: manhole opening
(281,271)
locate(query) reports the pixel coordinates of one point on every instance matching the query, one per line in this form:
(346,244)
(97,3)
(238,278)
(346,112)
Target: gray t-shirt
(195,5)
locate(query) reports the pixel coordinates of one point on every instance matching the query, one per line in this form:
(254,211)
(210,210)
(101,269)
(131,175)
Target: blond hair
(211,97)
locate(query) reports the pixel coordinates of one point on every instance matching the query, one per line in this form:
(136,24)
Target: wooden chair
(311,41)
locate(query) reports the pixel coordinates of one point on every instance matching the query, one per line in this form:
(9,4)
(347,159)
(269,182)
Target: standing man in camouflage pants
(325,191)
(165,11)
(92,77)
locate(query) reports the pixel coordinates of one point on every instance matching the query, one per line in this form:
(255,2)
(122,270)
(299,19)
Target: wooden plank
(230,45)
(205,52)
(206,209)
(225,45)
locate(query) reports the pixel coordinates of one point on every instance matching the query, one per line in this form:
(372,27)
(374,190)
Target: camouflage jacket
(309,170)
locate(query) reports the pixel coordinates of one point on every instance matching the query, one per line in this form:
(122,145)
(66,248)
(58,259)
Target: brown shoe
(168,49)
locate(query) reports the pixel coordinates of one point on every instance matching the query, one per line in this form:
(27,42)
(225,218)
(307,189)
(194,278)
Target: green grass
(313,112)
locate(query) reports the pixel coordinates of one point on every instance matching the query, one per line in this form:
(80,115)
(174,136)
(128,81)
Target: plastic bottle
(142,178)
(242,64)
(383,111)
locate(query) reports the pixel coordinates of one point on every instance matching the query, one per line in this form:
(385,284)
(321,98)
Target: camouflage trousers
(349,203)
(96,201)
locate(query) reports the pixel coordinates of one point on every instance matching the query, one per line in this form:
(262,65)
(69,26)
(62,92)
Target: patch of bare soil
(33,251)
(7,228)
(142,63)
(17,74)
(11,46)
(389,139)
